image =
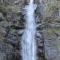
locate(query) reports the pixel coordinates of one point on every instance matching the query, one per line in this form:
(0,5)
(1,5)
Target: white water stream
(28,38)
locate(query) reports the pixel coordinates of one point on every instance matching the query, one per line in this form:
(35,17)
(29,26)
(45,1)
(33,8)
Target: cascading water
(28,38)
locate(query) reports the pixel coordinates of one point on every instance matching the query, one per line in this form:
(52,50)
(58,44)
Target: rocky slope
(12,25)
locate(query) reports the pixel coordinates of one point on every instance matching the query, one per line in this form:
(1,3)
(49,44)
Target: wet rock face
(6,51)
(11,29)
(15,32)
(40,45)
(1,17)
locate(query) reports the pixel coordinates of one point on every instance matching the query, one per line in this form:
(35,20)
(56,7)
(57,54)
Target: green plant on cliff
(3,9)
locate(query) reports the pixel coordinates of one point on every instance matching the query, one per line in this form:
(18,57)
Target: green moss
(13,30)
(50,7)
(58,21)
(51,33)
(3,9)
(54,30)
(58,45)
(57,30)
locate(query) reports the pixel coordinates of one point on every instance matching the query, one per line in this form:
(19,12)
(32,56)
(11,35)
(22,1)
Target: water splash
(28,38)
(31,1)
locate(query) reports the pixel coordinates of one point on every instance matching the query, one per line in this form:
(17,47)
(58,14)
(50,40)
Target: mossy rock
(3,10)
(54,30)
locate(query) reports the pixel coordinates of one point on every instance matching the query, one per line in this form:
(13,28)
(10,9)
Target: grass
(54,30)
(51,32)
(58,45)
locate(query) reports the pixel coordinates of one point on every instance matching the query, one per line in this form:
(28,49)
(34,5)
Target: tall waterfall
(28,38)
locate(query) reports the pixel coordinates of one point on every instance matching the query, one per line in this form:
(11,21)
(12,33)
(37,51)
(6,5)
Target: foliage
(50,7)
(3,9)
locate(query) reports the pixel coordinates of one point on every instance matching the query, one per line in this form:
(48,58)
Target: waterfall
(31,2)
(28,38)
